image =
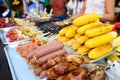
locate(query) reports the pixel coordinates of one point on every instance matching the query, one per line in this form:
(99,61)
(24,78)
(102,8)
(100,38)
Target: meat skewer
(60,69)
(98,74)
(78,74)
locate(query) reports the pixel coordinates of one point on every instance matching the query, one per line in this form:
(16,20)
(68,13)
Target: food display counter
(86,49)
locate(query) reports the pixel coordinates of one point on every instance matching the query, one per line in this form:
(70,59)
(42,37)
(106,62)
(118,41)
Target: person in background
(77,6)
(32,5)
(34,10)
(105,8)
(4,10)
(47,4)
(59,8)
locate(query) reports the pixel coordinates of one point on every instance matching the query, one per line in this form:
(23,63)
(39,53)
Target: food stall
(84,49)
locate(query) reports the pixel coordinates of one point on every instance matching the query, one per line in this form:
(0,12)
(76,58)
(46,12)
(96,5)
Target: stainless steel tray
(5,40)
(19,67)
(9,27)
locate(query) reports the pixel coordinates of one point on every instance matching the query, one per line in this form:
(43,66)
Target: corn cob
(75,46)
(71,41)
(64,39)
(100,40)
(113,57)
(116,42)
(63,31)
(118,49)
(100,51)
(82,39)
(83,50)
(82,29)
(70,33)
(77,36)
(98,30)
(85,19)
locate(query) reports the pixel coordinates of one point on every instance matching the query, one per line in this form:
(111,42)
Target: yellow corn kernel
(64,39)
(98,30)
(82,39)
(63,31)
(100,51)
(70,33)
(77,36)
(83,50)
(100,40)
(83,29)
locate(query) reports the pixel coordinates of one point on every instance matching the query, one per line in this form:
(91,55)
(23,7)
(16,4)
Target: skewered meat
(63,77)
(97,74)
(53,61)
(77,59)
(79,74)
(60,69)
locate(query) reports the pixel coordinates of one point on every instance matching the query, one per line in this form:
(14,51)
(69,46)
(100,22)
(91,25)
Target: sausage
(33,61)
(49,48)
(45,66)
(31,54)
(38,70)
(44,59)
(43,74)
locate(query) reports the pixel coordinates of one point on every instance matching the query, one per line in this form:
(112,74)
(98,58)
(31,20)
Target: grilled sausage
(44,59)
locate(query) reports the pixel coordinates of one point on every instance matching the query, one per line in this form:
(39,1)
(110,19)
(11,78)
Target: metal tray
(9,27)
(5,40)
(19,67)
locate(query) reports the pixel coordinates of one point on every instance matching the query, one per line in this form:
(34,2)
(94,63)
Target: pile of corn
(87,35)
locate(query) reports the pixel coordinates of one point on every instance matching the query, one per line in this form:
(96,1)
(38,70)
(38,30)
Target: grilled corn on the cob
(82,39)
(100,51)
(71,41)
(63,31)
(83,50)
(70,33)
(98,30)
(85,19)
(64,39)
(100,40)
(77,36)
(82,29)
(75,46)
